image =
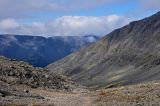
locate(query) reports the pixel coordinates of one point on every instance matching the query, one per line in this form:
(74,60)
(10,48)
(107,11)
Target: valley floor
(135,95)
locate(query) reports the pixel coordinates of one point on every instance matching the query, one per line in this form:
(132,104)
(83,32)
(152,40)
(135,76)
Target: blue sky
(128,8)
(71,17)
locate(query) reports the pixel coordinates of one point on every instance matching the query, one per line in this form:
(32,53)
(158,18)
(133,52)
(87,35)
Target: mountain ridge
(127,55)
(40,51)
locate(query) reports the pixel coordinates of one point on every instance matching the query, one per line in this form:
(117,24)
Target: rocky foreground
(136,95)
(145,94)
(22,84)
(18,79)
(15,72)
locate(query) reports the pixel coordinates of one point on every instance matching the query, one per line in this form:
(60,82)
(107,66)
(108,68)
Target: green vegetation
(116,50)
(116,84)
(112,85)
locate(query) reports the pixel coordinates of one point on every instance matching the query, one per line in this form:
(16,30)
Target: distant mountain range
(127,55)
(41,51)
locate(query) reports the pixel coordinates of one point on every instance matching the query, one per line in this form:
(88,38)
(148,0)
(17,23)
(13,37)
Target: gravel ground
(147,94)
(136,95)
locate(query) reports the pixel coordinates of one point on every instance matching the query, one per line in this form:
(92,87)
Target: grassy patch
(112,85)
(116,50)
(116,84)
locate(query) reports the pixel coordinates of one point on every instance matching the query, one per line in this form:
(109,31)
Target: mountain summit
(127,55)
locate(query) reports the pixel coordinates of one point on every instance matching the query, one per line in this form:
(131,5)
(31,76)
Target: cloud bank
(14,10)
(66,26)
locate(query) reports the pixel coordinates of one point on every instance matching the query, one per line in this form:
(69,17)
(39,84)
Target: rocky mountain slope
(24,85)
(22,74)
(41,51)
(146,94)
(127,55)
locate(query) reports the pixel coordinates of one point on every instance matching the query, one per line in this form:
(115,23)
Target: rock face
(21,73)
(41,51)
(127,55)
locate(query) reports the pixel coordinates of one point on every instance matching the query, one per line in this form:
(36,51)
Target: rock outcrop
(20,73)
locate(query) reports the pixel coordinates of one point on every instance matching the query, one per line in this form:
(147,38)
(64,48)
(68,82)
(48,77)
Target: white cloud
(67,26)
(83,25)
(13,10)
(8,24)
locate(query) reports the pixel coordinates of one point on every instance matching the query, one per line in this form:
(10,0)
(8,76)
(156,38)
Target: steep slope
(125,56)
(41,51)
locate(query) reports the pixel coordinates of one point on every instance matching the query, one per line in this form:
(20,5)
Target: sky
(71,17)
